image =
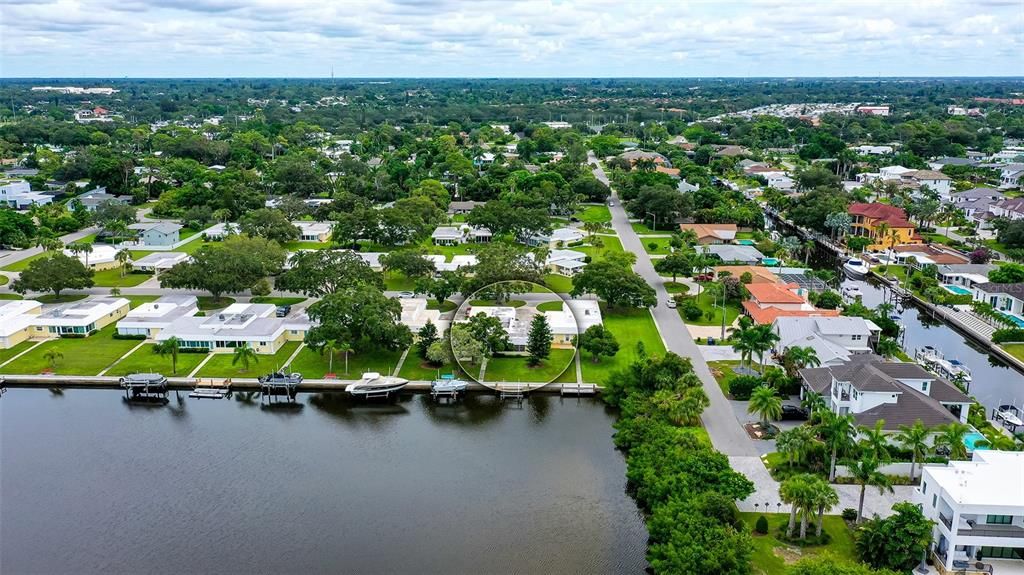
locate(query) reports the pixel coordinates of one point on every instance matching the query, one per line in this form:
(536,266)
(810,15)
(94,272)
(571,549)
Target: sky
(510,38)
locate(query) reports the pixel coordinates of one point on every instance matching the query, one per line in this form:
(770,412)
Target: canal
(90,484)
(994,382)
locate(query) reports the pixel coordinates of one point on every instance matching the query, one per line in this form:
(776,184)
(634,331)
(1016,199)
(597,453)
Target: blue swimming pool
(745,242)
(770,262)
(1014,319)
(957,289)
(973,438)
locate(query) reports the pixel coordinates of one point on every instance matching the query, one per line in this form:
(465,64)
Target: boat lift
(211,389)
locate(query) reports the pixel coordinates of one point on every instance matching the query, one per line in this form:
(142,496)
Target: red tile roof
(895,217)
(769,314)
(766,293)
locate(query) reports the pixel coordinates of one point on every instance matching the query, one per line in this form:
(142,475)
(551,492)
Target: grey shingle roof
(1016,290)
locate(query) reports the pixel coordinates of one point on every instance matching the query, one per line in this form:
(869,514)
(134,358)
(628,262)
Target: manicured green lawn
(676,287)
(599,214)
(220,364)
(186,233)
(515,369)
(10,296)
(722,370)
(207,303)
(629,327)
(550,306)
(1014,349)
(143,360)
(557,283)
(4,279)
(398,282)
(114,278)
(21,265)
(891,270)
(312,365)
(641,228)
(767,561)
(707,303)
(63,298)
(443,307)
(279,300)
(611,244)
(82,356)
(192,246)
(491,302)
(296,246)
(137,300)
(744,235)
(415,369)
(661,246)
(6,354)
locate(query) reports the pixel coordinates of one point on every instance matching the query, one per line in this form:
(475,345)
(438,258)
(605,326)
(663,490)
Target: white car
(671,304)
(406,294)
(611,204)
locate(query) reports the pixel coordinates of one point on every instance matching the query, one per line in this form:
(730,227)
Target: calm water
(994,382)
(89,484)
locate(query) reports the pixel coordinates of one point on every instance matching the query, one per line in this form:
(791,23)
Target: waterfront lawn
(415,369)
(516,369)
(82,356)
(893,270)
(557,283)
(278,300)
(312,365)
(220,364)
(770,554)
(6,354)
(706,304)
(113,278)
(629,326)
(143,360)
(1014,349)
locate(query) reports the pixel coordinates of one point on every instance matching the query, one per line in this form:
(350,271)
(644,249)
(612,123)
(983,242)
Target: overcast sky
(305,38)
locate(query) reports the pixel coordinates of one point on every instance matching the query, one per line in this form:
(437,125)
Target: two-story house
(833,339)
(896,393)
(885,225)
(770,301)
(977,508)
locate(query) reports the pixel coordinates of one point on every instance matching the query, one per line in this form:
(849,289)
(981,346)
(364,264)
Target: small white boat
(373,384)
(1009,415)
(856,268)
(852,292)
(447,384)
(934,360)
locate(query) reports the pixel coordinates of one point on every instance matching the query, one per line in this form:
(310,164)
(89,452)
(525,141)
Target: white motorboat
(951,369)
(1009,415)
(447,384)
(856,268)
(373,384)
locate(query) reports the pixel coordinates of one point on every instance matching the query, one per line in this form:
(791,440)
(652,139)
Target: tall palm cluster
(751,340)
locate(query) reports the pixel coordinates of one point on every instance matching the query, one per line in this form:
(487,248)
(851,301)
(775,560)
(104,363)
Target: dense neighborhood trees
(270,224)
(361,316)
(612,280)
(320,272)
(234,265)
(54,273)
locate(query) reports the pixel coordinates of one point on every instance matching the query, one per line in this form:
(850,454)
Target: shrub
(741,386)
(761,526)
(130,336)
(849,514)
(691,310)
(1012,334)
(882,268)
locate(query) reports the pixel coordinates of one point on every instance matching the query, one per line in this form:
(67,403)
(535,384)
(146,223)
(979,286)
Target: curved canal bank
(92,484)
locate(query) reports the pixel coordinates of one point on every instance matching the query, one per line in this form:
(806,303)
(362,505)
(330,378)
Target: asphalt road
(727,435)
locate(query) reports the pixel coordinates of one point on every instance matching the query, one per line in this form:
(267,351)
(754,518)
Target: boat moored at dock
(856,268)
(374,385)
(951,369)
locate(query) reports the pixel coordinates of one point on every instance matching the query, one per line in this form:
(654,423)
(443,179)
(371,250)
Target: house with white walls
(254,325)
(80,318)
(149,318)
(833,339)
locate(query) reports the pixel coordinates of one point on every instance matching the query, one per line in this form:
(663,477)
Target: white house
(873,150)
(936,181)
(314,231)
(16,320)
(18,194)
(149,318)
(1007,298)
(964,275)
(974,202)
(565,262)
(255,325)
(573,318)
(896,393)
(454,235)
(102,257)
(220,231)
(415,315)
(159,261)
(1011,208)
(1010,175)
(977,507)
(556,238)
(834,339)
(80,318)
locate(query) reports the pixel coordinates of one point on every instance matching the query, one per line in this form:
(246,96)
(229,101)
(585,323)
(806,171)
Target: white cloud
(498,38)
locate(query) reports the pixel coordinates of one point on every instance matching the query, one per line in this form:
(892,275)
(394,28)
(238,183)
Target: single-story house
(159,261)
(565,262)
(1007,298)
(220,230)
(153,234)
(80,317)
(314,231)
(454,235)
(556,238)
(896,393)
(16,320)
(151,317)
(711,233)
(102,257)
(758,274)
(94,198)
(966,275)
(415,315)
(460,208)
(255,325)
(730,253)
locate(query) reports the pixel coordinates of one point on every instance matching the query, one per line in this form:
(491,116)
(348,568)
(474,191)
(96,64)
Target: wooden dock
(578,389)
(211,389)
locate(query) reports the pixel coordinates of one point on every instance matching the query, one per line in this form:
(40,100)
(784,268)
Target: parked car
(406,294)
(611,204)
(671,303)
(794,413)
(283,310)
(705,278)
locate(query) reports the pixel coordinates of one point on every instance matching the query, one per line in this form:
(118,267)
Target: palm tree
(865,473)
(689,237)
(244,354)
(881,231)
(798,357)
(795,443)
(123,257)
(330,348)
(764,340)
(838,432)
(795,490)
(825,498)
(592,227)
(887,347)
(875,442)
(345,348)
(170,346)
(53,356)
(814,403)
(222,215)
(598,244)
(765,403)
(743,342)
(915,438)
(951,436)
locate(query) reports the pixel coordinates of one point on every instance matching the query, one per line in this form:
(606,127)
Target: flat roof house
(454,235)
(157,234)
(157,262)
(415,315)
(16,320)
(565,262)
(220,231)
(711,233)
(1007,298)
(18,194)
(314,231)
(240,324)
(566,323)
(149,318)
(897,393)
(730,253)
(80,318)
(102,257)
(976,506)
(966,275)
(557,238)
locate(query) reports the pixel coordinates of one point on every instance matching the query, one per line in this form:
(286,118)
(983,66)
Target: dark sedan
(793,412)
